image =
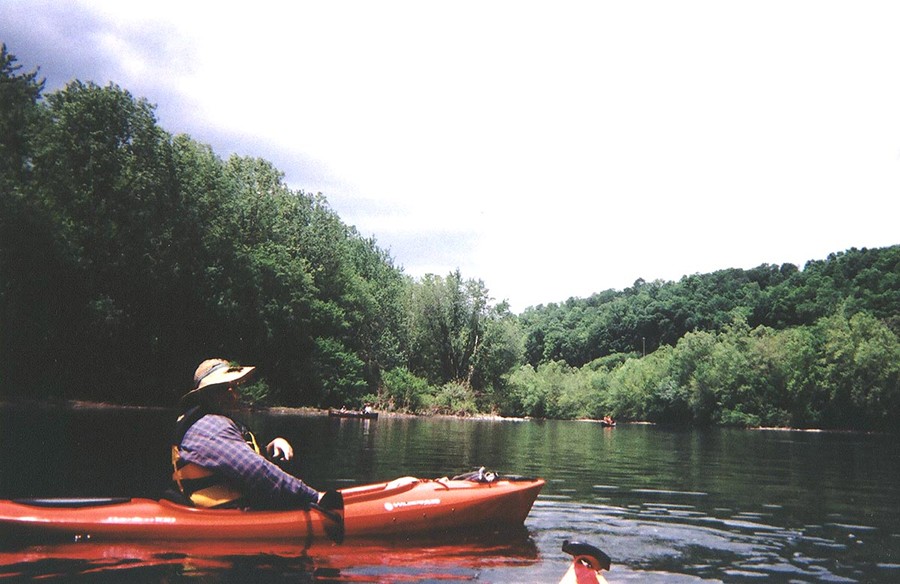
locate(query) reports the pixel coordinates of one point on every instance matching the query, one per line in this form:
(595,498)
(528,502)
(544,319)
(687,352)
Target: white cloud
(554,150)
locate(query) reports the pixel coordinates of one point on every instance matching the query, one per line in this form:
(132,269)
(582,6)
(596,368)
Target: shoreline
(78,404)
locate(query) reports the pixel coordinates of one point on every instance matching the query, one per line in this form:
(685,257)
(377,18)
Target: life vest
(204,487)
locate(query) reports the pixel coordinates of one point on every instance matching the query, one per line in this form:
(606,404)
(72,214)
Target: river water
(667,505)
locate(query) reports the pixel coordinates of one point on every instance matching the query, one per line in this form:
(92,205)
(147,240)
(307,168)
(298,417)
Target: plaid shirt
(216,443)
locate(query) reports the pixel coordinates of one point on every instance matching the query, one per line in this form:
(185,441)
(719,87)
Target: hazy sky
(550,149)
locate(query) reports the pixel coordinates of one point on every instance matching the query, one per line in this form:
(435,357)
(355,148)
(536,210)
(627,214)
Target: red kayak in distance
(405,505)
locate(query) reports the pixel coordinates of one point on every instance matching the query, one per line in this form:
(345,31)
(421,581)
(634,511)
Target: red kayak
(405,505)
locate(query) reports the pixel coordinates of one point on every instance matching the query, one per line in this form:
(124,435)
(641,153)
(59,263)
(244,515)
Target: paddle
(331,506)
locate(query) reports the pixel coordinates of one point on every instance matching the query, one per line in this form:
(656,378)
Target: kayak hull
(407,505)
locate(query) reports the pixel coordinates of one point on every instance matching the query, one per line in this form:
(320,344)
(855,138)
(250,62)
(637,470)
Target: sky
(551,150)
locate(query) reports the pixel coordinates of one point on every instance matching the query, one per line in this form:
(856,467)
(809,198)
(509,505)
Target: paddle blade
(332,508)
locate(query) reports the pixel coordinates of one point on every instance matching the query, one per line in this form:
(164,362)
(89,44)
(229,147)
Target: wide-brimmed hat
(217,372)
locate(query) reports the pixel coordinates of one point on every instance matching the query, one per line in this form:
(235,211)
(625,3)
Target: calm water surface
(666,505)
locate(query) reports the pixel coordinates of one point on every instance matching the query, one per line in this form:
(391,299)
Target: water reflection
(461,557)
(666,505)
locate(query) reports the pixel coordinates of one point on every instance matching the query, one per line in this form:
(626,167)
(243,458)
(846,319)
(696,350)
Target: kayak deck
(405,505)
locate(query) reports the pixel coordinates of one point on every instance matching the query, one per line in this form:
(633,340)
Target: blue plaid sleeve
(215,442)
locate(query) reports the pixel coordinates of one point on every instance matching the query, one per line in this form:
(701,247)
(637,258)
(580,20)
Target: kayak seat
(176,496)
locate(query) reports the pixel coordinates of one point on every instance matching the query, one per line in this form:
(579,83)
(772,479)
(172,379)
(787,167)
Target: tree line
(128,255)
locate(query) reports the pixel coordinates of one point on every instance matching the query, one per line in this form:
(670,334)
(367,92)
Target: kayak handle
(587,553)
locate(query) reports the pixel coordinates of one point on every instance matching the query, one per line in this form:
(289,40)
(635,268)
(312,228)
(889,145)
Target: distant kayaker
(216,461)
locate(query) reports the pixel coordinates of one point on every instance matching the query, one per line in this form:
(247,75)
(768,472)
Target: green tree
(402,391)
(27,254)
(860,371)
(19,95)
(99,166)
(444,328)
(500,352)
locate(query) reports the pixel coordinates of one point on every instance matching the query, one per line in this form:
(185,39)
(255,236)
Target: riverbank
(74,404)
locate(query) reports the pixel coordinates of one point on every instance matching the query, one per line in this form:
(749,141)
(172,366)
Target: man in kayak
(216,461)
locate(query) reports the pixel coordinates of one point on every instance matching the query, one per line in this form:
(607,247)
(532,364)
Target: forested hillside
(128,254)
(648,315)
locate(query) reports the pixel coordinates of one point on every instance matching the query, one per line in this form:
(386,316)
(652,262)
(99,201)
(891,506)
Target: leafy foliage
(130,255)
(404,392)
(840,372)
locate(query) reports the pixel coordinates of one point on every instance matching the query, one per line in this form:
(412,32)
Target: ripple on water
(670,506)
(658,535)
(669,492)
(553,498)
(739,524)
(744,574)
(851,528)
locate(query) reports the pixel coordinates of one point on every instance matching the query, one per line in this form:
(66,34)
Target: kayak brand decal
(390,506)
(138,520)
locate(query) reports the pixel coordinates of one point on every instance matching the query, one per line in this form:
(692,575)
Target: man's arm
(216,443)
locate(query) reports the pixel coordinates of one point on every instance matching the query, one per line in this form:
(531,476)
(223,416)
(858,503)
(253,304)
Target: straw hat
(217,372)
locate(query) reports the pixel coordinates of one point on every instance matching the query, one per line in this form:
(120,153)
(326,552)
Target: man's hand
(280,449)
